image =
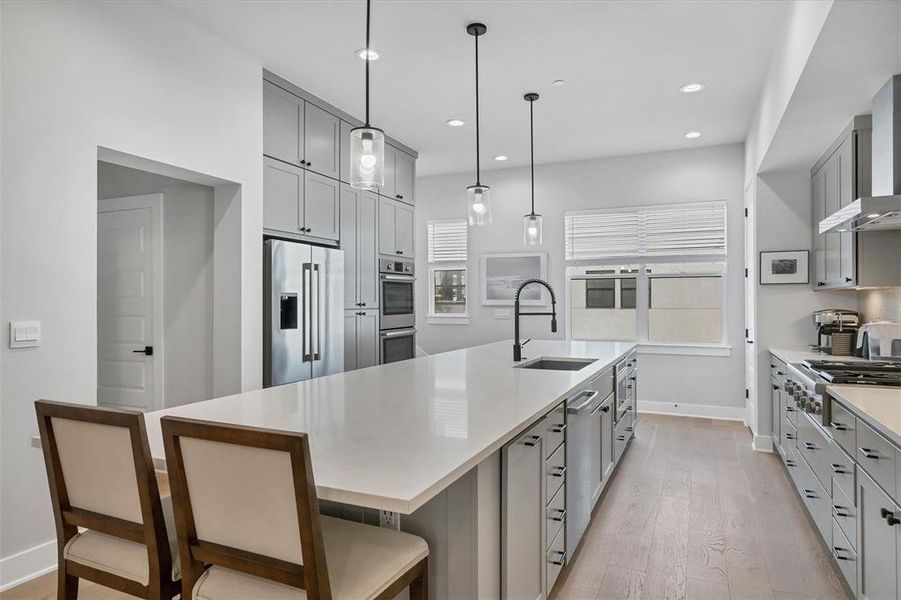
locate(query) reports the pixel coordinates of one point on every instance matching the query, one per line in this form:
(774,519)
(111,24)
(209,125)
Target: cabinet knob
(848,280)
(820,284)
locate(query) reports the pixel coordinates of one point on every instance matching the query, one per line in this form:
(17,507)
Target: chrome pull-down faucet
(517,347)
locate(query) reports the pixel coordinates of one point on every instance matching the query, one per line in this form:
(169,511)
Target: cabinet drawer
(555,429)
(621,437)
(844,428)
(556,471)
(845,515)
(814,445)
(818,503)
(556,558)
(789,434)
(876,456)
(845,555)
(843,472)
(556,515)
(789,408)
(793,464)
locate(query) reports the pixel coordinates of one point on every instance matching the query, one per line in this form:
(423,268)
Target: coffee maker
(836,330)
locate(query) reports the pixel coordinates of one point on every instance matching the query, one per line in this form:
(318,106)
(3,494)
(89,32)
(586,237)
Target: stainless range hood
(882,210)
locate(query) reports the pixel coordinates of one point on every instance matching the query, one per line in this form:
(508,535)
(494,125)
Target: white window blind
(447,240)
(698,228)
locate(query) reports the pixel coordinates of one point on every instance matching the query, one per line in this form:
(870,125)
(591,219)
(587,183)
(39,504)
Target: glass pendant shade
(367,158)
(479,201)
(531,230)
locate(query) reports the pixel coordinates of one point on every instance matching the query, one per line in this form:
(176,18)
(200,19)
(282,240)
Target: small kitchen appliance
(836,330)
(880,340)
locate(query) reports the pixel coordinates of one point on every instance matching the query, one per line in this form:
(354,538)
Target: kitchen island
(419,441)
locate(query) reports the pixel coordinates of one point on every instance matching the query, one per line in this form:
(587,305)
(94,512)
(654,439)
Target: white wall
(188,276)
(712,173)
(135,78)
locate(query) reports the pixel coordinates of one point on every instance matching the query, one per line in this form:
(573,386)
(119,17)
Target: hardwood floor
(695,513)
(692,513)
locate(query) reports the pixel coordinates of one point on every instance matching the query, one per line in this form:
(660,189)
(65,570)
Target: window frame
(433,318)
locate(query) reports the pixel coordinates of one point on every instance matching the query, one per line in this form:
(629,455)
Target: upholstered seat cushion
(122,557)
(362,562)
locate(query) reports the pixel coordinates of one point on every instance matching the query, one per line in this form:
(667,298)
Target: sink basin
(557,364)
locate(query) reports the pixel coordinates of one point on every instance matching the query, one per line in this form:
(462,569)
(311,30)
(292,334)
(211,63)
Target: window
(671,293)
(447,271)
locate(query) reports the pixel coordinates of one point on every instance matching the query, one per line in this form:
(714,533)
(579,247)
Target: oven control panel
(399,267)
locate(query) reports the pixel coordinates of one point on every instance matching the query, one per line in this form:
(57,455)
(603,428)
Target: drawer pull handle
(789,409)
(621,438)
(889,516)
(810,446)
(561,516)
(558,428)
(838,427)
(789,462)
(789,436)
(868,453)
(560,561)
(810,494)
(532,440)
(840,511)
(836,551)
(838,469)
(560,472)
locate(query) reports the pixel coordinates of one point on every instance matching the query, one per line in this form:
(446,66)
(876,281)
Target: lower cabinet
(361,339)
(879,542)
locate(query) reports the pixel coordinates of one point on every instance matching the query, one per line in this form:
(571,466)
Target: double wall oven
(397,322)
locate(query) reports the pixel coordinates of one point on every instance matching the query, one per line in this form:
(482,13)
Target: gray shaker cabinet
(879,538)
(404,176)
(320,207)
(395,228)
(361,339)
(283,187)
(359,240)
(321,141)
(283,124)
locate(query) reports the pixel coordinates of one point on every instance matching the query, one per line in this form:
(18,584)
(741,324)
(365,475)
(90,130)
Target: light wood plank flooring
(692,513)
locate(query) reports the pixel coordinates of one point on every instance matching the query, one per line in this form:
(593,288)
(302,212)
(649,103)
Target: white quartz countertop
(880,407)
(392,437)
(796,355)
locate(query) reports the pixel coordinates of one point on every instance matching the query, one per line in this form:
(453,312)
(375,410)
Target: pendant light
(478,197)
(367,144)
(531,223)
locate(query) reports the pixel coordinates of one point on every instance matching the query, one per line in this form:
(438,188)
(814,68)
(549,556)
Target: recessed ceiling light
(691,88)
(872,215)
(500,157)
(368,54)
(559,82)
(456,122)
(693,135)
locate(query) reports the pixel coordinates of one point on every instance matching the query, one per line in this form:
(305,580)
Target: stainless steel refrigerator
(303,317)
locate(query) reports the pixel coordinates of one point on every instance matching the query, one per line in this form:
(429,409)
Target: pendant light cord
(478,172)
(368,60)
(532,149)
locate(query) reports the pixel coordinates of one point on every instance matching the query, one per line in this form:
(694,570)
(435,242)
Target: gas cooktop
(856,373)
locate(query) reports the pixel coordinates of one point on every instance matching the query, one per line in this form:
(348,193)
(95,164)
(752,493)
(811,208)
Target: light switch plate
(503,313)
(24,334)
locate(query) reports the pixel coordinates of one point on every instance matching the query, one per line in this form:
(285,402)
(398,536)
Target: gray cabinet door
(818,189)
(349,200)
(389,189)
(404,176)
(404,229)
(775,412)
(344,156)
(607,441)
(367,250)
(833,240)
(387,233)
(283,122)
(522,517)
(350,340)
(367,339)
(320,207)
(846,195)
(283,190)
(321,141)
(878,541)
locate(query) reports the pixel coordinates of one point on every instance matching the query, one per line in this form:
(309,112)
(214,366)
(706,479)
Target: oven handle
(397,333)
(404,278)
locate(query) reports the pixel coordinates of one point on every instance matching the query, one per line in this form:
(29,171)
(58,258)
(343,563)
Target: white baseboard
(706,411)
(763,443)
(28,564)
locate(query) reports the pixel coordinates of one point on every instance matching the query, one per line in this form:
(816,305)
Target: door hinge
(747,394)
(746,333)
(746,272)
(746,212)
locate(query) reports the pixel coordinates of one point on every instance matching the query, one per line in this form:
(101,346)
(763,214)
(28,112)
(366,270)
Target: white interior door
(751,403)
(129,302)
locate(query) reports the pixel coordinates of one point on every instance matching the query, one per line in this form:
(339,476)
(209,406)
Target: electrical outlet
(389,519)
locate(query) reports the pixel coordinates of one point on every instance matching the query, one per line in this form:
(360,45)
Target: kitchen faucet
(517,347)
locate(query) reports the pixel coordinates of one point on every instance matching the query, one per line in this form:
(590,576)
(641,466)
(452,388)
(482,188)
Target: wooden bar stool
(249,526)
(102,479)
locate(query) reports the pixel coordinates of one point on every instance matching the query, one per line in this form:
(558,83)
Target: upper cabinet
(400,173)
(321,141)
(395,228)
(299,203)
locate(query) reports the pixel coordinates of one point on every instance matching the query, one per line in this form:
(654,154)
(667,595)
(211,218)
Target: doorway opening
(160,244)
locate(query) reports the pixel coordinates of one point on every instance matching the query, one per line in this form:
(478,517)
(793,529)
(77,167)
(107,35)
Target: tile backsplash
(881,304)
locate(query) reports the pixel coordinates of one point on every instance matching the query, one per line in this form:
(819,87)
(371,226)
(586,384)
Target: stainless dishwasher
(586,441)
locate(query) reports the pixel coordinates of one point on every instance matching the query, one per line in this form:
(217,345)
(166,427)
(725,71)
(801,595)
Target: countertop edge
(892,436)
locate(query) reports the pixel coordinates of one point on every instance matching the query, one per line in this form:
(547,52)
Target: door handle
(532,440)
(148,350)
(591,396)
(560,516)
(318,353)
(305,312)
(560,472)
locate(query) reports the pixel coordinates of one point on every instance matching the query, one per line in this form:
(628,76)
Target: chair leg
(419,587)
(66,585)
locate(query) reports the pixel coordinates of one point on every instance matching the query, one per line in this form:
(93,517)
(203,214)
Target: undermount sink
(557,364)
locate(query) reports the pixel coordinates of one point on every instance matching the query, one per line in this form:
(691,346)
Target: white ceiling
(624,63)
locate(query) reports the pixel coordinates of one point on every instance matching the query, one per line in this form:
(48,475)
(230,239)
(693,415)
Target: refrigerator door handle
(305,311)
(318,294)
